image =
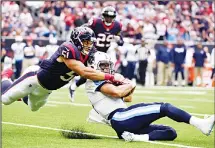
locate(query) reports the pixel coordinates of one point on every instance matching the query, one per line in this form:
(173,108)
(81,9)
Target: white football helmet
(102,62)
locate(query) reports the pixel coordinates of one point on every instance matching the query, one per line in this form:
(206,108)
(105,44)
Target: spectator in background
(129,32)
(3,53)
(29,54)
(68,19)
(199,58)
(26,18)
(130,58)
(18,49)
(213,67)
(160,29)
(148,28)
(51,31)
(41,29)
(178,60)
(150,78)
(52,47)
(189,69)
(163,59)
(172,32)
(8,61)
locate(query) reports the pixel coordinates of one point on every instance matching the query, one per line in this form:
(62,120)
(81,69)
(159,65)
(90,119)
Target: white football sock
(195,121)
(73,86)
(144,137)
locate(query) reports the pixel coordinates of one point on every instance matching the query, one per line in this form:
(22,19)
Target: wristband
(109,77)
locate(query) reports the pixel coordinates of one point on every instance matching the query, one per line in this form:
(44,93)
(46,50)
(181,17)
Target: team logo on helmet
(83,38)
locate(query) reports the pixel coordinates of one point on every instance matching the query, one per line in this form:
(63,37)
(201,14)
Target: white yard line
(99,135)
(51,105)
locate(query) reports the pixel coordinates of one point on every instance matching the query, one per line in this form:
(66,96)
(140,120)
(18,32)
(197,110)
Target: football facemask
(106,67)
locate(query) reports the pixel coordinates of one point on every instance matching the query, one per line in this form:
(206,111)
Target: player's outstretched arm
(87,72)
(117,91)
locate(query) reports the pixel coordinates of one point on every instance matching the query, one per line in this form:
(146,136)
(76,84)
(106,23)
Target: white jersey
(18,49)
(102,104)
(8,63)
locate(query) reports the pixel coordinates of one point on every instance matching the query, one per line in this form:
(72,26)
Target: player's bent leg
(176,114)
(38,98)
(20,88)
(159,132)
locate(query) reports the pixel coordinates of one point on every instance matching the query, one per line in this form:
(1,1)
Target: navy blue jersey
(54,73)
(178,54)
(105,34)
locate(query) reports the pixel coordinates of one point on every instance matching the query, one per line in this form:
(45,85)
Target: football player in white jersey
(134,123)
(18,48)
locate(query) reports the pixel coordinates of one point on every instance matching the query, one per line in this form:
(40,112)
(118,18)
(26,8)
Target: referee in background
(143,52)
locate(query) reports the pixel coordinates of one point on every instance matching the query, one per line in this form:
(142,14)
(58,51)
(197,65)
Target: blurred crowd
(191,20)
(182,26)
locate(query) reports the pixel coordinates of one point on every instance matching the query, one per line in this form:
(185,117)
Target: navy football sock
(25,100)
(167,134)
(80,81)
(175,113)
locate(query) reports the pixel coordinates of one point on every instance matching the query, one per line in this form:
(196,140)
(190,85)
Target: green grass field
(22,128)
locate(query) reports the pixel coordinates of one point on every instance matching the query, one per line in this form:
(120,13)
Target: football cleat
(207,125)
(127,136)
(72,95)
(7,73)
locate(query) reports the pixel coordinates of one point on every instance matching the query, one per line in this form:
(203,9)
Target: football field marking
(99,135)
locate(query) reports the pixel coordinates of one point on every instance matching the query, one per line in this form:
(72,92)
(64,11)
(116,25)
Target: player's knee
(165,108)
(172,134)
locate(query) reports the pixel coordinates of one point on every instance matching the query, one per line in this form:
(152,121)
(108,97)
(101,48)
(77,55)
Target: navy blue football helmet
(83,38)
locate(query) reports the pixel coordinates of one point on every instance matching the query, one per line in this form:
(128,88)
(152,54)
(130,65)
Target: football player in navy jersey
(106,29)
(66,63)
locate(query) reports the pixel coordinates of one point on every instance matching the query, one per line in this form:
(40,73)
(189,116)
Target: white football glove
(127,136)
(116,38)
